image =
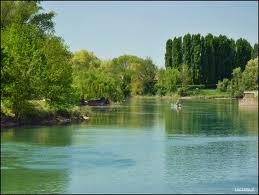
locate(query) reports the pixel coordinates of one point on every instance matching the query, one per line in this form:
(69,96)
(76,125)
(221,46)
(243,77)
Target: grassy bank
(172,96)
(41,114)
(199,93)
(208,93)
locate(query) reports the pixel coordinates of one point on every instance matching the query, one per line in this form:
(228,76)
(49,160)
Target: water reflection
(132,114)
(32,160)
(139,146)
(205,118)
(60,136)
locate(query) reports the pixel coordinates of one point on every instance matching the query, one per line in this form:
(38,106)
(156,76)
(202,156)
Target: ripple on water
(40,157)
(182,140)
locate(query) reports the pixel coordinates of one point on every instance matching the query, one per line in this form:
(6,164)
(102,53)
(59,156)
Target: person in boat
(178,104)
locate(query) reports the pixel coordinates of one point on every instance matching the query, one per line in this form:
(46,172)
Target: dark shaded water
(142,146)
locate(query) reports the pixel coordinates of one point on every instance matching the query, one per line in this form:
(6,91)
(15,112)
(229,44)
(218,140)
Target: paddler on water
(178,103)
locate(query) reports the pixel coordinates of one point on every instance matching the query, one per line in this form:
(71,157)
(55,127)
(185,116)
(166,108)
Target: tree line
(210,58)
(241,80)
(116,79)
(37,65)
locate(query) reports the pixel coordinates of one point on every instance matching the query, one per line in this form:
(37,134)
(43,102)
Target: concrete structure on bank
(250,98)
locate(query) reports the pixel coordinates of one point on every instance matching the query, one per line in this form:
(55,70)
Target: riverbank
(41,114)
(197,93)
(9,122)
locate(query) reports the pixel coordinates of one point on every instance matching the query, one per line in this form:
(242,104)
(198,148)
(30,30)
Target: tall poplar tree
(202,62)
(255,51)
(196,44)
(211,58)
(187,50)
(169,54)
(230,57)
(177,52)
(243,53)
(217,60)
(208,60)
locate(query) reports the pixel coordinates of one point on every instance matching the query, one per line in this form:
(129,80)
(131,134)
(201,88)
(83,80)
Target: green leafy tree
(149,76)
(121,67)
(5,75)
(168,80)
(82,61)
(185,75)
(225,57)
(248,80)
(208,60)
(250,75)
(196,44)
(160,85)
(187,49)
(143,77)
(231,57)
(243,53)
(217,58)
(202,61)
(211,58)
(99,84)
(255,51)
(169,54)
(26,12)
(57,88)
(177,52)
(172,79)
(26,61)
(125,61)
(222,85)
(236,87)
(121,73)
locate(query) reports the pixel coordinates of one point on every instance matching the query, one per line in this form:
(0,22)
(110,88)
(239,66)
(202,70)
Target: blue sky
(110,29)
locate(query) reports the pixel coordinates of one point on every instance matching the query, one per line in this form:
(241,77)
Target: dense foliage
(26,12)
(115,79)
(35,64)
(210,58)
(250,75)
(169,53)
(241,81)
(168,79)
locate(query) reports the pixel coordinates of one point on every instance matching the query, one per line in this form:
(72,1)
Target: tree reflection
(136,113)
(220,117)
(50,136)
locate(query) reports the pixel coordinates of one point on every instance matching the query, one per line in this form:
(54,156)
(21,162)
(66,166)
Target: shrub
(236,88)
(182,91)
(222,85)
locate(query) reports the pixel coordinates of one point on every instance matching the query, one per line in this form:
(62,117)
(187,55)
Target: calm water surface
(141,146)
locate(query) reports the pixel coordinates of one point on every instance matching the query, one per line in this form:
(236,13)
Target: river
(140,146)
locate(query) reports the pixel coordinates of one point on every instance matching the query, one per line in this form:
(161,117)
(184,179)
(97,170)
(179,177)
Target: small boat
(98,102)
